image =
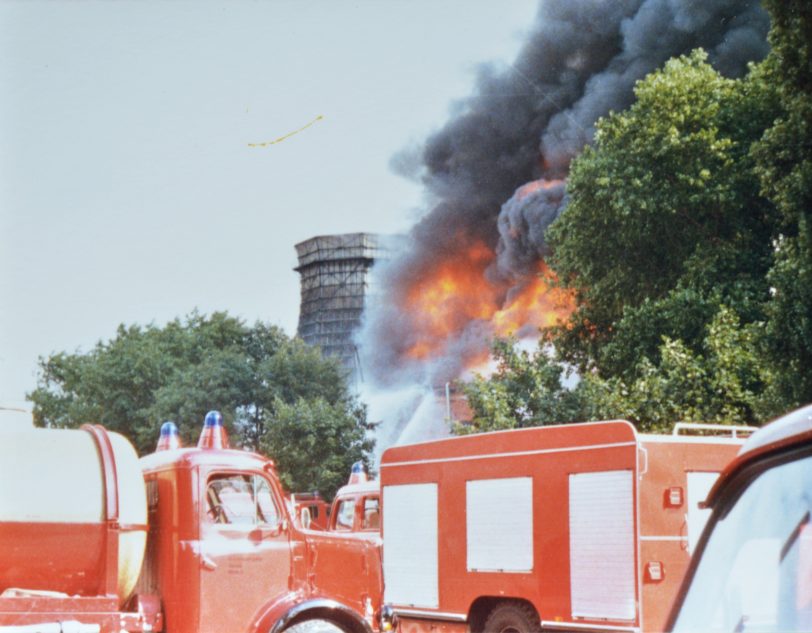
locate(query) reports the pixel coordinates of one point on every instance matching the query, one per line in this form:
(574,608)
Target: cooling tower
(335,282)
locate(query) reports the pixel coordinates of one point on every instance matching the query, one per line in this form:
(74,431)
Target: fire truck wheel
(315,626)
(513,617)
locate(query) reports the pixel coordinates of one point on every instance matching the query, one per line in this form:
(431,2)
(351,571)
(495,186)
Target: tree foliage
(525,390)
(665,221)
(256,376)
(725,382)
(688,244)
(784,167)
(314,443)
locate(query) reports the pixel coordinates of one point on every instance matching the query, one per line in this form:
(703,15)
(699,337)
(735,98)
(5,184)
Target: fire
(535,185)
(458,293)
(539,303)
(455,294)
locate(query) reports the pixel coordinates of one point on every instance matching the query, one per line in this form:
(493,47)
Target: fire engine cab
(185,540)
(310,510)
(582,527)
(356,506)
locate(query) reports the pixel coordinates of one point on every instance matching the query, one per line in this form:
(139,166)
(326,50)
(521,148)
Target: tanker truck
(184,540)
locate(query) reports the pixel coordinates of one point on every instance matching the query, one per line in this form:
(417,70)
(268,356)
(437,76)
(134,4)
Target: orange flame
(458,292)
(455,294)
(535,185)
(538,304)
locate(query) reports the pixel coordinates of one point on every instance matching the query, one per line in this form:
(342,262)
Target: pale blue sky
(128,190)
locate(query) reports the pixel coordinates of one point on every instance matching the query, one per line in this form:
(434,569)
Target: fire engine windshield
(756,572)
(241,500)
(345,514)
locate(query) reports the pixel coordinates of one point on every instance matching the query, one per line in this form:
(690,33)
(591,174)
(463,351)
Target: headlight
(388,619)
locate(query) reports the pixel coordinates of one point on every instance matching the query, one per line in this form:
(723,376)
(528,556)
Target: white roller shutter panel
(499,524)
(602,545)
(699,485)
(410,545)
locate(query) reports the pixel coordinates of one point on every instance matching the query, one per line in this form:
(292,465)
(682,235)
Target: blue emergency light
(169,438)
(214,433)
(359,473)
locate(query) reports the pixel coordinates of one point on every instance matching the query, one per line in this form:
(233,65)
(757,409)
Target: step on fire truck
(583,527)
(186,540)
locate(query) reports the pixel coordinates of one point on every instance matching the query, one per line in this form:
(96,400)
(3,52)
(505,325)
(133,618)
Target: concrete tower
(335,282)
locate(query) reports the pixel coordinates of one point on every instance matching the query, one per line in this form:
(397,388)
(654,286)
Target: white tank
(13,419)
(53,512)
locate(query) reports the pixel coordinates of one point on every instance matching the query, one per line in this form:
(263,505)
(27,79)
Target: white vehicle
(752,569)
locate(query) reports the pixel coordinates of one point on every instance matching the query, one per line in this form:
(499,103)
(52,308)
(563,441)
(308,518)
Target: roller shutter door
(602,553)
(410,545)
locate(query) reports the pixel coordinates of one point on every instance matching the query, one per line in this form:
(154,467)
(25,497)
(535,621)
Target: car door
(245,553)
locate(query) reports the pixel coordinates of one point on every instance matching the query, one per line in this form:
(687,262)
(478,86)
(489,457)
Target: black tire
(513,617)
(316,626)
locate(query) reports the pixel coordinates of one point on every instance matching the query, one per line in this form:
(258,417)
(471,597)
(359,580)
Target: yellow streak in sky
(282,138)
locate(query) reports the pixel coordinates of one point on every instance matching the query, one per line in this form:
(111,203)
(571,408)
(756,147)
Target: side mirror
(304,518)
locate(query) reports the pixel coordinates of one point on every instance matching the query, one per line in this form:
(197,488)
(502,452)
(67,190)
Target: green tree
(314,443)
(784,167)
(145,375)
(675,253)
(665,221)
(725,382)
(525,390)
(688,243)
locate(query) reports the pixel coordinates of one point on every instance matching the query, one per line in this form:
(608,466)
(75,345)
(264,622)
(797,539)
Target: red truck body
(355,510)
(222,555)
(573,527)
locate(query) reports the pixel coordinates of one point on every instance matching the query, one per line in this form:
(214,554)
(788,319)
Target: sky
(138,180)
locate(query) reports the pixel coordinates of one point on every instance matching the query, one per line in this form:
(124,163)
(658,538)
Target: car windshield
(756,572)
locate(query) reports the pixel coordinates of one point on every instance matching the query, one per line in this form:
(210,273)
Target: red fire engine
(188,540)
(356,506)
(310,510)
(585,527)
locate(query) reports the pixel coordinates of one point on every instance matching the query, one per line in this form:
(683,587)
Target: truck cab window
(345,515)
(267,514)
(372,516)
(240,499)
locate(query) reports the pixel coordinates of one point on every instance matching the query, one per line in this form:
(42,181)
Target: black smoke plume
(526,122)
